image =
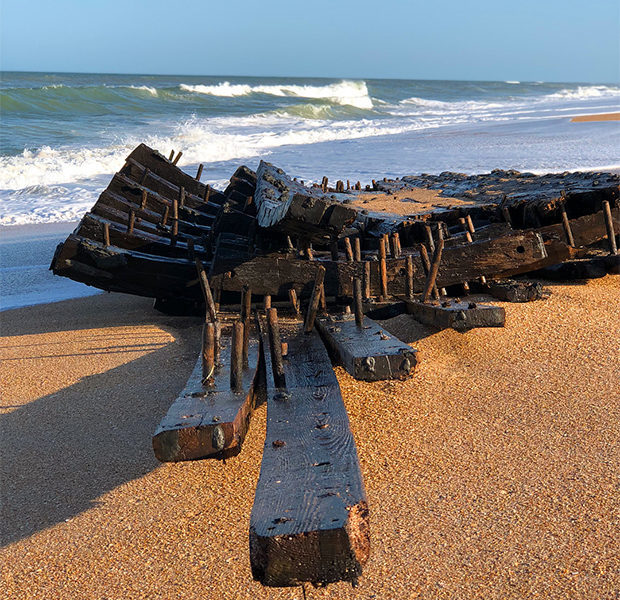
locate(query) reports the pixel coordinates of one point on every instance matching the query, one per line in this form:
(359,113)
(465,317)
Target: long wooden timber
(116,269)
(368,353)
(461,316)
(211,419)
(289,206)
(309,522)
(275,274)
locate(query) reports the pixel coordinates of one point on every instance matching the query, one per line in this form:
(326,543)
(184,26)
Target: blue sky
(548,40)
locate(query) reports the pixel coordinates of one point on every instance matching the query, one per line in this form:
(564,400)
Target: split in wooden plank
(211,420)
(368,353)
(309,521)
(460,316)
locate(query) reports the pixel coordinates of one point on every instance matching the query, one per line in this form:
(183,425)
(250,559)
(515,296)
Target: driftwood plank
(210,421)
(309,521)
(460,316)
(509,290)
(368,353)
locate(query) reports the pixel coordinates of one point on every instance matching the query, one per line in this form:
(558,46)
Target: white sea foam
(352,93)
(144,88)
(585,91)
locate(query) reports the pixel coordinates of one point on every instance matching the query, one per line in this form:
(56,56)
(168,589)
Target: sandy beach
(596,118)
(492,473)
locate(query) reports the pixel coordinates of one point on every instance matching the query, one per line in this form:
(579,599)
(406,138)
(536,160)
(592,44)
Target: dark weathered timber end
(510,290)
(368,353)
(460,316)
(210,420)
(309,521)
(296,209)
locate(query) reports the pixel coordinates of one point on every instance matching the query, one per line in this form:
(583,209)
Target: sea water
(64,135)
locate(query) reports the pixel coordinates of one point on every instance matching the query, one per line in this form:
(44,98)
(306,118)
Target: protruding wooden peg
(106,234)
(432,276)
(429,237)
(246,313)
(145,197)
(348,250)
(207,192)
(357,298)
(609,225)
(308,251)
(409,275)
(324,184)
(236,357)
(314,299)
(292,294)
(211,311)
(357,249)
(470,224)
(181,196)
(383,269)
(175,218)
(463,224)
(267,302)
(131,222)
(164,217)
(276,347)
(396,250)
(386,242)
(171,155)
(208,353)
(366,275)
(567,230)
(348,185)
(177,157)
(358,186)
(144,176)
(426,263)
(199,173)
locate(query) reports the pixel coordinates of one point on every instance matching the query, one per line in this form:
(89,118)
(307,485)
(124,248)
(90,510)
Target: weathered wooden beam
(309,522)
(211,420)
(510,290)
(315,298)
(295,209)
(460,316)
(368,353)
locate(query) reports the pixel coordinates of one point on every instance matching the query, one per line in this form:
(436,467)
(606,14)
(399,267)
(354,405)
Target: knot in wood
(369,364)
(218,438)
(282,397)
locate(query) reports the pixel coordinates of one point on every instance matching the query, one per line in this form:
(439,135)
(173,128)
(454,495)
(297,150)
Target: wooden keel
(211,420)
(309,522)
(368,353)
(461,316)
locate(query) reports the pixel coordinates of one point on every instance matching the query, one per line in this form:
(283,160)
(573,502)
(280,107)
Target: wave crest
(352,93)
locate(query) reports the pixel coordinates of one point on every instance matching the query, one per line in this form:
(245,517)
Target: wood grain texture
(460,316)
(368,353)
(309,521)
(212,420)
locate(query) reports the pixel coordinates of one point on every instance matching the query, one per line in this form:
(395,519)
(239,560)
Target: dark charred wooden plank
(460,316)
(368,353)
(309,522)
(211,421)
(510,290)
(287,205)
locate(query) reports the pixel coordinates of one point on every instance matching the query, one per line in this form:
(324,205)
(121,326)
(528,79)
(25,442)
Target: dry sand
(601,117)
(407,202)
(492,473)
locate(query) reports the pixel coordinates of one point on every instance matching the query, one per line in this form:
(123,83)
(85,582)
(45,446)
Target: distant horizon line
(343,78)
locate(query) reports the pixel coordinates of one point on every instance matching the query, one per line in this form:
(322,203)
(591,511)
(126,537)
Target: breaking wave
(353,93)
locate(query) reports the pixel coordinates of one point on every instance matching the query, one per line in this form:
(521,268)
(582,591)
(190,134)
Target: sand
(601,117)
(492,473)
(407,202)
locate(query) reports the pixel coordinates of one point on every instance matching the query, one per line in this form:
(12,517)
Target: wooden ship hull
(268,243)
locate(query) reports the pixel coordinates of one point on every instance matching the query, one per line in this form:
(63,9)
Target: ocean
(64,135)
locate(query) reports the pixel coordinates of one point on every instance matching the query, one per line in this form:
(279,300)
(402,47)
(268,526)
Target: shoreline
(492,473)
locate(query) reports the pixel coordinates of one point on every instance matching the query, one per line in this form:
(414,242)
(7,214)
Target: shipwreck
(292,278)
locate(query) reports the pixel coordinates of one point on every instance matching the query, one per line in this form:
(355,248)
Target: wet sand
(492,473)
